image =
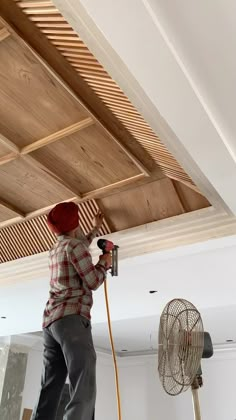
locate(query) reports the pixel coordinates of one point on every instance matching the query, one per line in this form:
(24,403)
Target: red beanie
(63,218)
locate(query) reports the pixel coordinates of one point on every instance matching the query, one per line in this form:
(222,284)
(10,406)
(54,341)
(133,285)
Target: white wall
(141,395)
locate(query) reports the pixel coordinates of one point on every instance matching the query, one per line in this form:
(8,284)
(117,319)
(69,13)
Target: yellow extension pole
(113,353)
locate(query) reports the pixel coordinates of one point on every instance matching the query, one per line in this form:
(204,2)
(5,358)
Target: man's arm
(92,275)
(97,222)
(91,235)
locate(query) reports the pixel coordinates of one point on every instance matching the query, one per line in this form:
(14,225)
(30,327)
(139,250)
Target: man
(68,344)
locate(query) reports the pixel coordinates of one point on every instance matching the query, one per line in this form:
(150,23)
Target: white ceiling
(202,273)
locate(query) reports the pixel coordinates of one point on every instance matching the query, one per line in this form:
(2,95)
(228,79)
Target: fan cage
(181,343)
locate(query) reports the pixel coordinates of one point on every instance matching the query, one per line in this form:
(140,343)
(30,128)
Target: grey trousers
(68,349)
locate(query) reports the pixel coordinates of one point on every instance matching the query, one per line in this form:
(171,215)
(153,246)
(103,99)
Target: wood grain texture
(88,160)
(151,202)
(59,181)
(8,144)
(7,214)
(190,199)
(107,90)
(45,158)
(4,33)
(6,157)
(111,188)
(9,207)
(33,104)
(19,22)
(101,193)
(28,188)
(27,414)
(33,236)
(86,122)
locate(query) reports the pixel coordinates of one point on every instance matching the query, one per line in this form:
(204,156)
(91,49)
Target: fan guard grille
(181,342)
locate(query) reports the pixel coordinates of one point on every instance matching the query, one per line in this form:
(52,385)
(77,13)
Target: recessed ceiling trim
(197,226)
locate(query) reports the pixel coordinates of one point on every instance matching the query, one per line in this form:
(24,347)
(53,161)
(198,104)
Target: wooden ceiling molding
(68,133)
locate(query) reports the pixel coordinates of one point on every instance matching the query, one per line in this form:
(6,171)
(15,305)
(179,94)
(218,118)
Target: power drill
(107,247)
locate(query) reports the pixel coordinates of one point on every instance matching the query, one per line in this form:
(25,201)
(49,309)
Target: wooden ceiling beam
(15,151)
(74,128)
(15,19)
(35,163)
(8,158)
(112,187)
(12,208)
(4,33)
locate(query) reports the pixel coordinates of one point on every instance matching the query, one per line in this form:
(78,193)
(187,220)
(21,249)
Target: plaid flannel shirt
(73,278)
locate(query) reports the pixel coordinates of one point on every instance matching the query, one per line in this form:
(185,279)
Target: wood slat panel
(61,25)
(33,104)
(33,236)
(34,4)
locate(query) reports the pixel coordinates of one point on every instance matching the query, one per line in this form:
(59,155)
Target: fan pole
(196,404)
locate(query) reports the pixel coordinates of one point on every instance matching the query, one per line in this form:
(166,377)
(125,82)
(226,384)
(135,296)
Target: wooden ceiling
(67,132)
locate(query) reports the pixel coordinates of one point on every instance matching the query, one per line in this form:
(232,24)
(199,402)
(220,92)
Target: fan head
(181,342)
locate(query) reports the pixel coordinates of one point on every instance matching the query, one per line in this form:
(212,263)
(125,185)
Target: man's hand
(107,258)
(98,220)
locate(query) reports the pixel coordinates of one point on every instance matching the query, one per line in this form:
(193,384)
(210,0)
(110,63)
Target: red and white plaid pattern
(73,278)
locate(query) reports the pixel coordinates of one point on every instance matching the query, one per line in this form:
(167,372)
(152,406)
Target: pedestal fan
(182,345)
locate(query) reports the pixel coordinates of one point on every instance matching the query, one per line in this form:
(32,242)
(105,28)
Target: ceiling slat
(34,4)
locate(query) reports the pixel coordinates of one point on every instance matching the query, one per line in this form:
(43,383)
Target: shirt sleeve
(91,235)
(92,275)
